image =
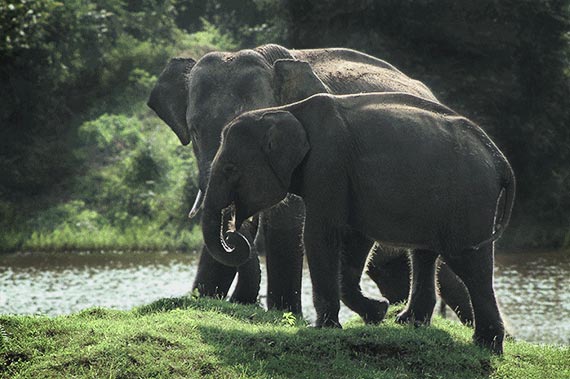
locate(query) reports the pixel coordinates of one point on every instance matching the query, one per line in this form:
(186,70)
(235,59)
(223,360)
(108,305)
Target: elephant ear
(285,144)
(169,97)
(295,80)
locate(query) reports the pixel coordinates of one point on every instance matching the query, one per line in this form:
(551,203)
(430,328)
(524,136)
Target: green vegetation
(189,338)
(84,164)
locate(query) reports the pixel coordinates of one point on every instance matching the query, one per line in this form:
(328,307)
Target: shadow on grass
(358,352)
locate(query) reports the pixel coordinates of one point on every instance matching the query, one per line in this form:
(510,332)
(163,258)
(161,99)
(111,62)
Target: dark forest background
(85,165)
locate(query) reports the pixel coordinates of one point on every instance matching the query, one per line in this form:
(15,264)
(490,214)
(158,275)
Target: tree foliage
(251,22)
(502,63)
(56,59)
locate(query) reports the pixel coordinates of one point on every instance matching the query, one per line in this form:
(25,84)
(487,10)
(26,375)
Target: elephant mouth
(229,218)
(227,227)
(233,220)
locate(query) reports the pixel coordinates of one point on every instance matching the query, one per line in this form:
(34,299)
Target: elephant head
(196,99)
(251,171)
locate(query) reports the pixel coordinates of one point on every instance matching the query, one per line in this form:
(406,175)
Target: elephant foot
(407,316)
(493,341)
(376,311)
(495,345)
(245,300)
(326,322)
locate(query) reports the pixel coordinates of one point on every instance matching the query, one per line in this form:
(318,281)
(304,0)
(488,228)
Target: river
(533,288)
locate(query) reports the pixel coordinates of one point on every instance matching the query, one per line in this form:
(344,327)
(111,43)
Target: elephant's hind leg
(476,270)
(421,300)
(353,259)
(454,293)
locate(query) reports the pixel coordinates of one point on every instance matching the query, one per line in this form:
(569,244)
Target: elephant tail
(504,208)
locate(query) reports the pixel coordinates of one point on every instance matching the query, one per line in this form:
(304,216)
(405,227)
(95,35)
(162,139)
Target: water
(61,283)
(532,288)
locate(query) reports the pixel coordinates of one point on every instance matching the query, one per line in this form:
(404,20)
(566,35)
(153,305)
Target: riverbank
(149,237)
(190,338)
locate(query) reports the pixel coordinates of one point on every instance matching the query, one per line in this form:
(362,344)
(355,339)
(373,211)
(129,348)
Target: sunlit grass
(197,338)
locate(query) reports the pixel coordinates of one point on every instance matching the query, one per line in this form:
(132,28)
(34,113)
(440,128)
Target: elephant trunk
(228,247)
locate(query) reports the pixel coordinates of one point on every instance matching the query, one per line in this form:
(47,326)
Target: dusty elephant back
(347,71)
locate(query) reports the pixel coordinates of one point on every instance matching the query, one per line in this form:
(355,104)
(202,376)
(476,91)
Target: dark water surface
(533,288)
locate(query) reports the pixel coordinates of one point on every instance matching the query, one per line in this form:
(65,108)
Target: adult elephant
(196,99)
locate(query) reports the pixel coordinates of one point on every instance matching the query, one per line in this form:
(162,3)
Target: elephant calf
(396,168)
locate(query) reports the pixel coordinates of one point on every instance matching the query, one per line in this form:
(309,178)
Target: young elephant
(399,169)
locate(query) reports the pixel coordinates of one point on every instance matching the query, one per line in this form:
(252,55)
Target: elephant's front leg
(213,279)
(282,230)
(249,274)
(354,255)
(248,280)
(323,245)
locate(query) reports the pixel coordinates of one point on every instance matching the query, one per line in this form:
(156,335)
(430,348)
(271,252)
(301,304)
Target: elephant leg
(249,274)
(282,231)
(356,250)
(249,278)
(421,300)
(476,270)
(323,246)
(390,270)
(213,279)
(454,293)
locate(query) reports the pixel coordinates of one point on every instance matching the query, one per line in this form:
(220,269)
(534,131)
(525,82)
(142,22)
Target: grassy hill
(197,338)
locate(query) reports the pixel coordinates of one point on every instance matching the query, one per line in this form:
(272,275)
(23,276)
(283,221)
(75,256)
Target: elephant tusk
(197,205)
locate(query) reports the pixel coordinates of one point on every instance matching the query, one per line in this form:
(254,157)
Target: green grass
(106,238)
(187,338)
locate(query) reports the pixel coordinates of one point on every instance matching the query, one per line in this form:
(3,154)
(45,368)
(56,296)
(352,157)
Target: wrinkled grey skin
(392,167)
(197,98)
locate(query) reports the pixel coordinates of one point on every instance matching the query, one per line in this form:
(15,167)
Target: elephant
(196,99)
(392,167)
(386,269)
